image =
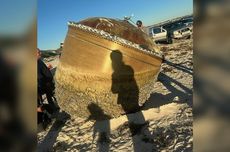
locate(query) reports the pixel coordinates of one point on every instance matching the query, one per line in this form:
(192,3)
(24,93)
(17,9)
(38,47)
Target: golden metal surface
(88,65)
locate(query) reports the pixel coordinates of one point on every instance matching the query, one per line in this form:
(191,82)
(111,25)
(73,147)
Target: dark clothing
(45,77)
(45,86)
(43,118)
(45,82)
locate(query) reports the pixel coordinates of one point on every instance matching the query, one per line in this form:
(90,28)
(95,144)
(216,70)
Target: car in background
(188,21)
(167,32)
(184,32)
(158,34)
(180,29)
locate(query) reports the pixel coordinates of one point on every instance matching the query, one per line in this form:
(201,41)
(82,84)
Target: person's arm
(45,71)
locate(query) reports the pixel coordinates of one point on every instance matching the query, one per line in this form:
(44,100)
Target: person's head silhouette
(116,57)
(139,23)
(96,113)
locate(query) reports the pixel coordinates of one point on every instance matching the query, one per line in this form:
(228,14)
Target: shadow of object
(179,67)
(102,128)
(157,99)
(124,84)
(96,113)
(51,137)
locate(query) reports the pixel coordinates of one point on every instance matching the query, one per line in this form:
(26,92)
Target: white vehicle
(183,32)
(188,21)
(158,34)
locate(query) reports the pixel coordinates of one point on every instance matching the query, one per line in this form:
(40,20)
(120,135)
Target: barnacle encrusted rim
(114,38)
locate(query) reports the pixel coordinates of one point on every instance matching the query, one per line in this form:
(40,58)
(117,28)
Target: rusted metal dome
(122,29)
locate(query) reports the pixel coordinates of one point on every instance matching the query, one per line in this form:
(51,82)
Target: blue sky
(53,15)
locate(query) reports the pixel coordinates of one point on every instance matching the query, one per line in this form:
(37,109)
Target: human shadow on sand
(184,95)
(125,86)
(101,127)
(51,137)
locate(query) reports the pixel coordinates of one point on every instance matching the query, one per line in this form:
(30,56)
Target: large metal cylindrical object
(101,68)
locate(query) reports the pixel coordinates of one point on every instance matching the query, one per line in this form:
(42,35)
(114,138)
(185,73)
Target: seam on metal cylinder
(71,35)
(157,54)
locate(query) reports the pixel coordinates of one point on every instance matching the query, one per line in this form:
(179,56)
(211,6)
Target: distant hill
(49,53)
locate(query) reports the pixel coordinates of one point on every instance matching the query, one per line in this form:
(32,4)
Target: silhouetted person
(124,84)
(101,127)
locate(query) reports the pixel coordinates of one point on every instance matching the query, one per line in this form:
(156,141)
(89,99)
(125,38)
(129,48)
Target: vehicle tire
(169,40)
